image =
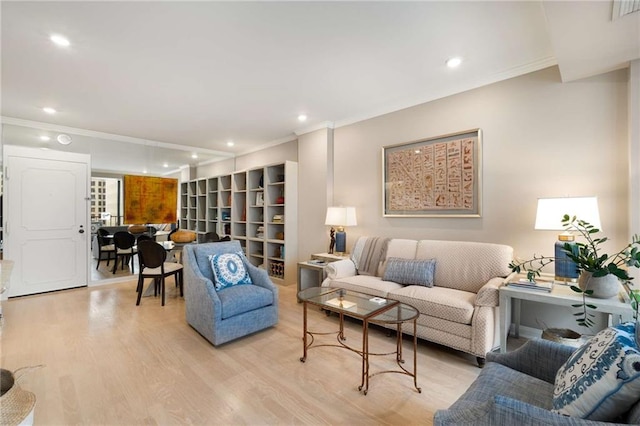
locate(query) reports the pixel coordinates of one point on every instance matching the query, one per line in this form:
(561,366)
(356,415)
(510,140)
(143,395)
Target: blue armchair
(233,312)
(516,388)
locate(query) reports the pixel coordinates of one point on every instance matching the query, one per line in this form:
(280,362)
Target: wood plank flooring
(110,362)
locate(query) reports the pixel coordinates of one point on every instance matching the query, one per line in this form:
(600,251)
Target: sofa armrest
(538,358)
(501,410)
(489,294)
(341,269)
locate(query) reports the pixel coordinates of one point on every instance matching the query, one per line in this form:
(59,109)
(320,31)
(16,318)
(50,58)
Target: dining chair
(125,249)
(104,246)
(144,237)
(211,237)
(153,264)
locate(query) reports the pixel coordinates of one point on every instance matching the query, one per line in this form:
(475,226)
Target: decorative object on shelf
(339,217)
(260,232)
(548,218)
(278,218)
(260,198)
(279,235)
(589,260)
(434,177)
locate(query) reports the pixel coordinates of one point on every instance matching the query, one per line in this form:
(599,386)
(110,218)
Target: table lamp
(549,217)
(339,217)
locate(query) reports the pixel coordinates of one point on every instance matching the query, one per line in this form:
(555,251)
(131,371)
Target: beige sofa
(460,310)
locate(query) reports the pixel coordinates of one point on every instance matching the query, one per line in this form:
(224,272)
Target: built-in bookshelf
(257,207)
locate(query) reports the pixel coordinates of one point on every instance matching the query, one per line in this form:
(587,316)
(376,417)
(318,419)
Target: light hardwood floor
(110,362)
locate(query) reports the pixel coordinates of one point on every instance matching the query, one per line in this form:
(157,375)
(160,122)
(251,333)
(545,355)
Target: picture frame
(259,198)
(434,177)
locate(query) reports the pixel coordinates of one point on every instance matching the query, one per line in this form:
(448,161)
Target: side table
(311,273)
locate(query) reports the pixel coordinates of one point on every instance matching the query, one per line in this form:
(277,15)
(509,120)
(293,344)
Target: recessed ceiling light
(194,155)
(165,165)
(230,143)
(144,171)
(454,62)
(49,110)
(302,117)
(63,139)
(60,40)
(45,138)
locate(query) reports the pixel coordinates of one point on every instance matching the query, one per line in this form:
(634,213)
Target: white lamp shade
(341,216)
(551,210)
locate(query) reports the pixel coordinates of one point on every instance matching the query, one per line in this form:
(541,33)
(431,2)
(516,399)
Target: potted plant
(600,273)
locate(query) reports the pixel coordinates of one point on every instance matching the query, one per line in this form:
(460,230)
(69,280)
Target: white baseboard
(527,332)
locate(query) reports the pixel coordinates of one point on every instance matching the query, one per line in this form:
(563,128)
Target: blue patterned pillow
(410,271)
(228,270)
(601,379)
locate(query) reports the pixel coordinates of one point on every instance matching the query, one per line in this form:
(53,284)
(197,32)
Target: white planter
(603,287)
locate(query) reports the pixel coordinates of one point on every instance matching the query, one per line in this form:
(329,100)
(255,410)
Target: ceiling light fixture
(302,117)
(230,143)
(60,40)
(64,139)
(194,155)
(165,165)
(45,138)
(454,62)
(49,110)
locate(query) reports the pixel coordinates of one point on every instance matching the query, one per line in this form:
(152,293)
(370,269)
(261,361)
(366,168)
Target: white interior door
(46,230)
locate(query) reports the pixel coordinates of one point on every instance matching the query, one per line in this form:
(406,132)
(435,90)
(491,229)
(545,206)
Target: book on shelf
(531,285)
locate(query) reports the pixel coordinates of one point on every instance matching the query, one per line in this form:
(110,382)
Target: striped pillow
(410,271)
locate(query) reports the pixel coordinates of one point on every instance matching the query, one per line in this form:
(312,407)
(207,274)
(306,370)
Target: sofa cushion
(239,299)
(374,286)
(410,271)
(601,380)
(446,303)
(466,265)
(228,270)
(399,248)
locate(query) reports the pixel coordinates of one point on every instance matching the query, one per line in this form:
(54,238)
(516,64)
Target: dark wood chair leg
(481,361)
(162,289)
(140,288)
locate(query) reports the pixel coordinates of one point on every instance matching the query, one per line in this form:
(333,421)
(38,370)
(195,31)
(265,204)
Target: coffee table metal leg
(415,355)
(304,332)
(364,386)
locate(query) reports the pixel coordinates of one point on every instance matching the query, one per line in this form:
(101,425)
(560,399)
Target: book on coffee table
(344,304)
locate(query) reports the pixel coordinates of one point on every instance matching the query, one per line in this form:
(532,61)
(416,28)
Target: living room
(543,135)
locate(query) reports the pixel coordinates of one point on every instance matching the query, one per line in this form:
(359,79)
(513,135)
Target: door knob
(81,231)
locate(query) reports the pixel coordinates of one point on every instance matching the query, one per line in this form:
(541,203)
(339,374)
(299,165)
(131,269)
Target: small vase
(602,287)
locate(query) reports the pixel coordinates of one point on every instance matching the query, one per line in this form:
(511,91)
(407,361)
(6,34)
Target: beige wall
(541,138)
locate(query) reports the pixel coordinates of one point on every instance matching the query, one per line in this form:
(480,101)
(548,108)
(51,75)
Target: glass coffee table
(370,310)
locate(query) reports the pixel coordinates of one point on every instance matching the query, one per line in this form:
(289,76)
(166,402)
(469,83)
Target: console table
(511,298)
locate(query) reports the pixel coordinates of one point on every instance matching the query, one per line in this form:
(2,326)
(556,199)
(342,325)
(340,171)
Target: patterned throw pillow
(601,380)
(228,270)
(410,271)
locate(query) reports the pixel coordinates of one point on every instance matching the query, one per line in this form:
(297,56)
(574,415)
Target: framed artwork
(150,199)
(259,198)
(435,177)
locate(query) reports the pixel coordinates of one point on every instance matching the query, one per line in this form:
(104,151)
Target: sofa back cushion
(398,248)
(466,265)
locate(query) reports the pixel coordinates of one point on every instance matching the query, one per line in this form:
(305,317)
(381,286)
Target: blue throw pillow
(410,271)
(601,379)
(228,270)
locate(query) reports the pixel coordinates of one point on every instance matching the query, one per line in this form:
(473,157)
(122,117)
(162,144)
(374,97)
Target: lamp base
(341,242)
(566,269)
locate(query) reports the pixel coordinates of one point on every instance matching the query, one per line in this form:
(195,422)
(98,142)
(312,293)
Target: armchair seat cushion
(240,299)
(440,302)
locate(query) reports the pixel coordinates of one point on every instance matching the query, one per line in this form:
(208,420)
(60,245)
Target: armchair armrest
(260,277)
(341,269)
(538,358)
(199,289)
(501,410)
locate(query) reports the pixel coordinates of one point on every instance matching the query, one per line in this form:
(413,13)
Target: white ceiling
(172,78)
